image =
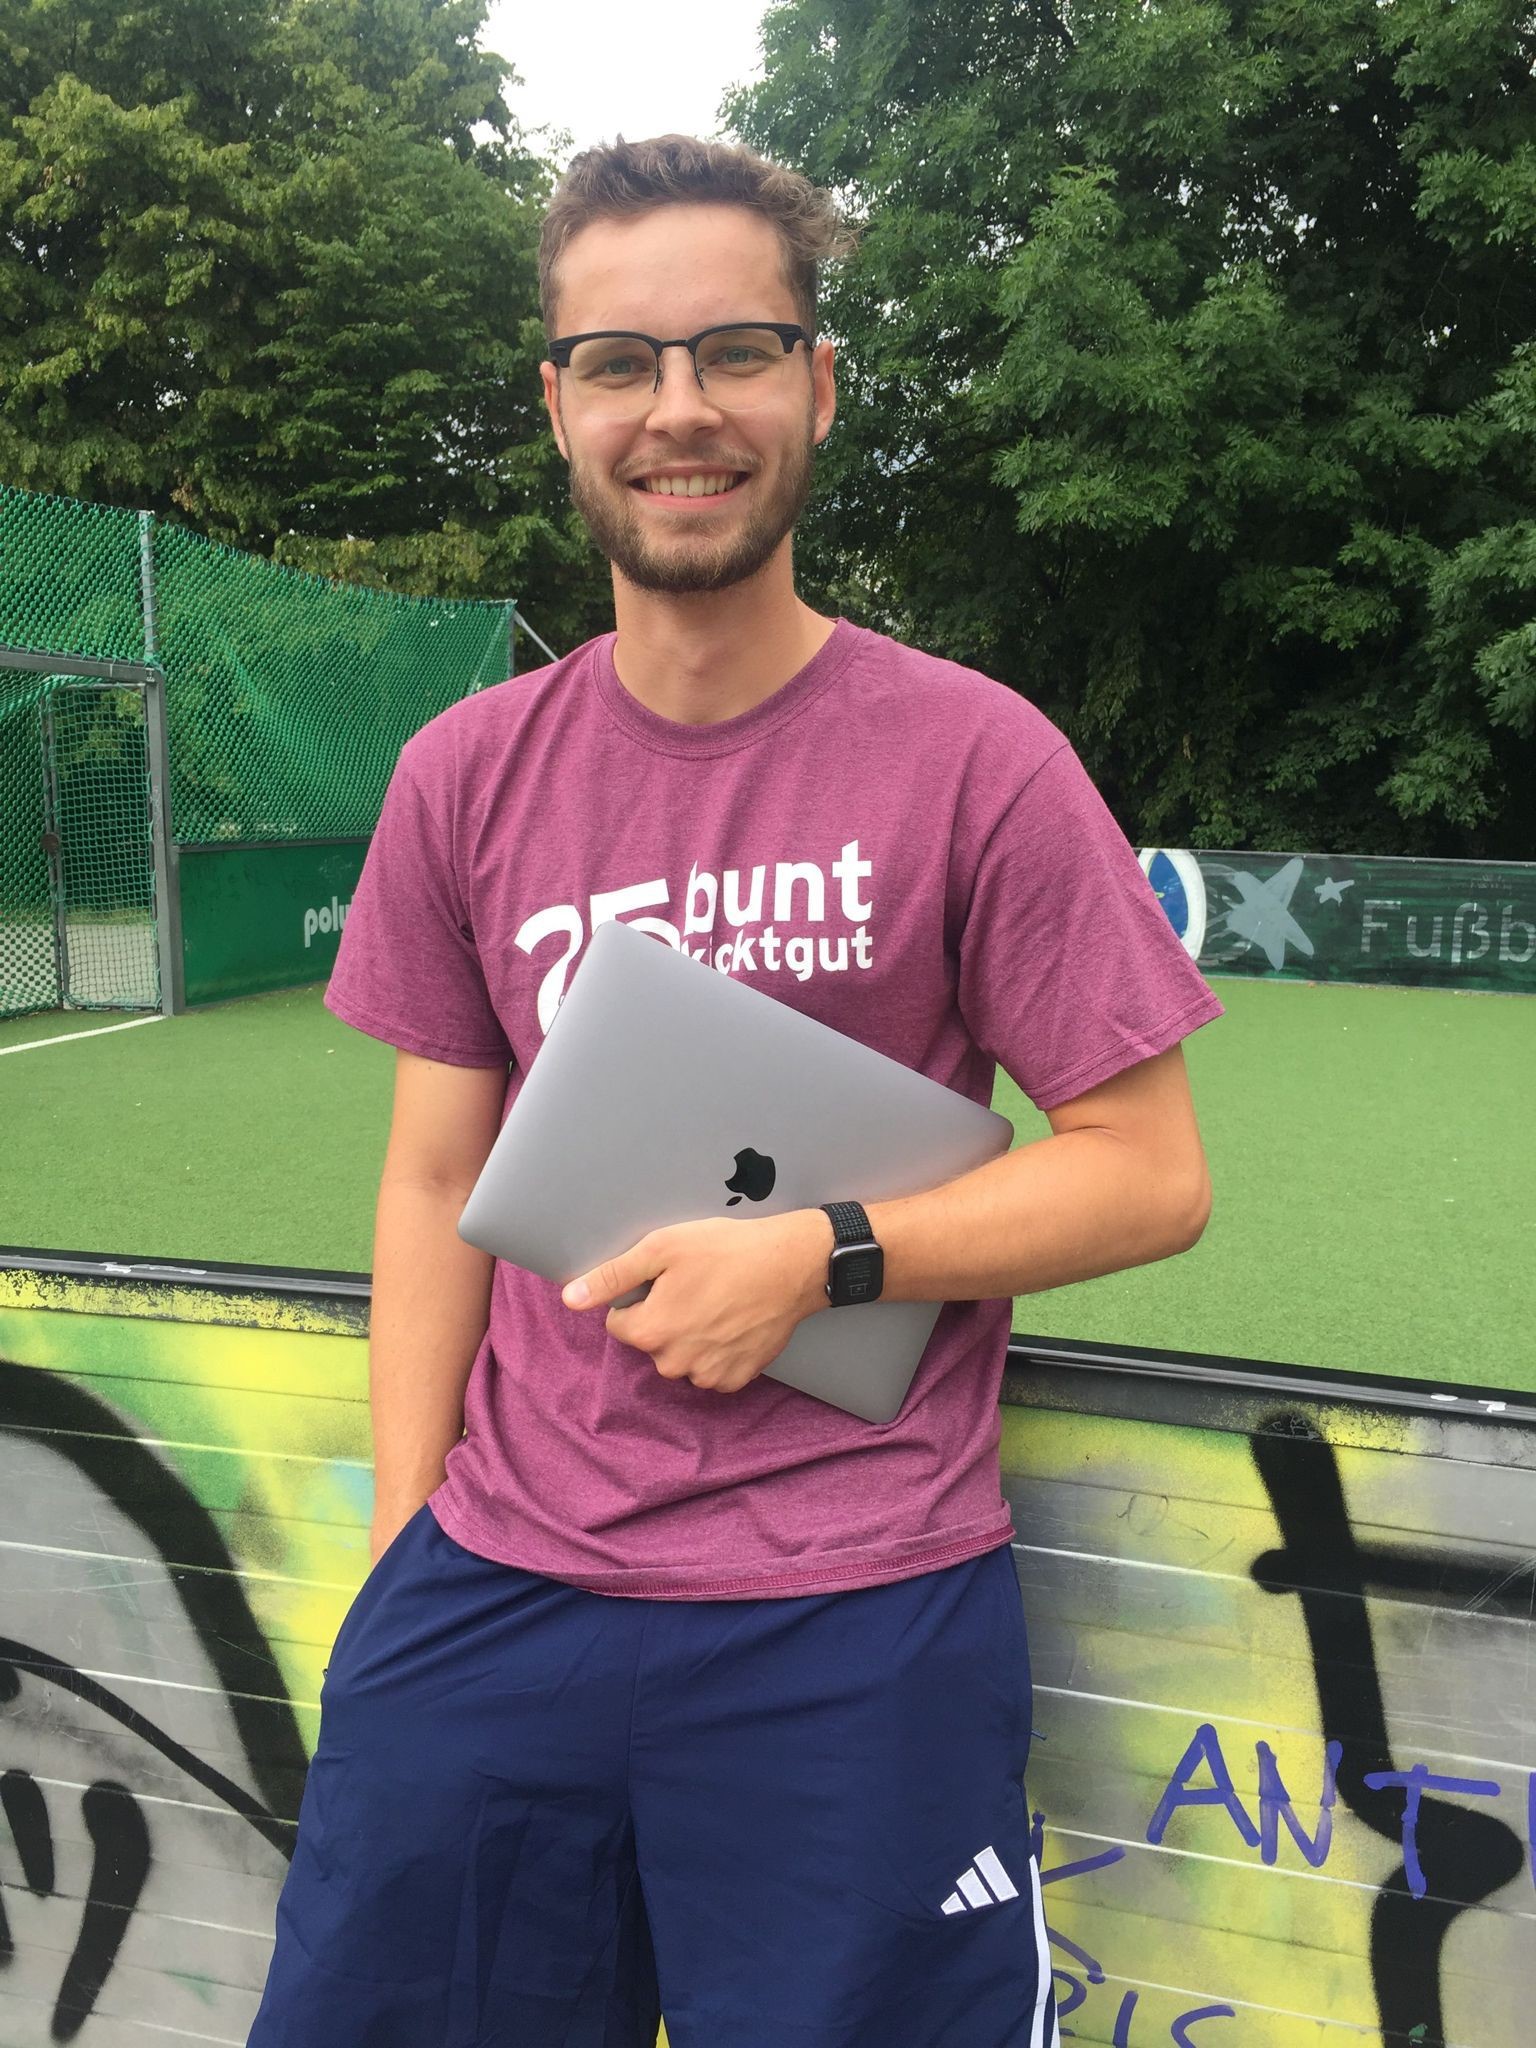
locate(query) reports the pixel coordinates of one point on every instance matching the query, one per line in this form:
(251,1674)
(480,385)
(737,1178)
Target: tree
(1188,387)
(271,269)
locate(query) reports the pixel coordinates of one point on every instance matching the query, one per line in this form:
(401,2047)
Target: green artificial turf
(1374,1183)
(1370,1149)
(251,1131)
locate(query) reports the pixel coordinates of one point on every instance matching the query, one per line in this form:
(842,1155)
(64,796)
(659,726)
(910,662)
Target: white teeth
(695,486)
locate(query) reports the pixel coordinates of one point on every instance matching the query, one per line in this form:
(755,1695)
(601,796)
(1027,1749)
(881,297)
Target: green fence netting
(287,699)
(288,696)
(69,578)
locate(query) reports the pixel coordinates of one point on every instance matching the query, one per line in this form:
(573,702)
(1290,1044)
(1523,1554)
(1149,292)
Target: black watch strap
(856,1269)
(849,1223)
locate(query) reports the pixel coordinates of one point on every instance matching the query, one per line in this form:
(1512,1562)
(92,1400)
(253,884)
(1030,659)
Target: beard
(690,564)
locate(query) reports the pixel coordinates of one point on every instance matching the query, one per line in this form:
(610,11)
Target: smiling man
(673,1688)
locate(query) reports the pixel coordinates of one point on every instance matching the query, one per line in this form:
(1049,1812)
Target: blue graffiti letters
(1071,1990)
(1415,1782)
(1204,1749)
(1179,2032)
(1123,2018)
(1275,1806)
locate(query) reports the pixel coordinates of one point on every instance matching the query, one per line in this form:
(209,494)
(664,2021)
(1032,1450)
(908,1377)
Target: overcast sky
(597,67)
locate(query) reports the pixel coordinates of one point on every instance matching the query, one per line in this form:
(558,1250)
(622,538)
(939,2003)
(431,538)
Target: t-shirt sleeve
(1069,969)
(407,969)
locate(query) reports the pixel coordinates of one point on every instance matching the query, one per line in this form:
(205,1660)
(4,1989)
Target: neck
(700,659)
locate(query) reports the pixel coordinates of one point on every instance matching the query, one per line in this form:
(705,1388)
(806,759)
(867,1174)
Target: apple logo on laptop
(754,1177)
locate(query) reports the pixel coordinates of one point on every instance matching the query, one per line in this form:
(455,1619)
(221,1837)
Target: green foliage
(1186,386)
(270,268)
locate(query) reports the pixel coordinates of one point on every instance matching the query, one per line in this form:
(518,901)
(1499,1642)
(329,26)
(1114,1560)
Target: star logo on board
(1262,913)
(1331,891)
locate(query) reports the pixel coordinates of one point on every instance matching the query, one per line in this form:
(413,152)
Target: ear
(551,380)
(824,389)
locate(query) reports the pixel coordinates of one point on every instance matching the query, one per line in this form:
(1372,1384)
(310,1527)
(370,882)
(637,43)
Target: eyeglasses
(736,366)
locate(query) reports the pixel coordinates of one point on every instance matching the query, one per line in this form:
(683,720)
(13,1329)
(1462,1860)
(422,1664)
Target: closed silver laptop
(666,1092)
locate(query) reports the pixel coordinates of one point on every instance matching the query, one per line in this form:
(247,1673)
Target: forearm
(1069,1207)
(431,1298)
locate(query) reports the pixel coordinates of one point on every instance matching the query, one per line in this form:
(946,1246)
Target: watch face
(858,1276)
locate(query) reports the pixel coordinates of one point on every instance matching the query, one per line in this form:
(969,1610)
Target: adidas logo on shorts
(985,1883)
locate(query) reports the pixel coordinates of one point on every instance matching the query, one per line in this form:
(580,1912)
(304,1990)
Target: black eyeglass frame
(787,331)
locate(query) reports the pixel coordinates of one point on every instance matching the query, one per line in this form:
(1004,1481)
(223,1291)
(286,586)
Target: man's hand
(725,1296)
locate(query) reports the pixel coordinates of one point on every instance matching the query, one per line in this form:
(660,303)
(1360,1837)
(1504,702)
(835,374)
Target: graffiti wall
(1285,1661)
(184,1500)
(1283,1636)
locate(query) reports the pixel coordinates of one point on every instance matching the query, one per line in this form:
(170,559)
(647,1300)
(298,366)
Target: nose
(680,405)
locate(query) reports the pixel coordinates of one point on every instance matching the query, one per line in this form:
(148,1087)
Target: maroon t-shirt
(890,843)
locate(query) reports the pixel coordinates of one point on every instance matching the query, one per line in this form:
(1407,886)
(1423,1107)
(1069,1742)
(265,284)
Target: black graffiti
(21,1801)
(15,1657)
(120,1859)
(178,1531)
(1470,1855)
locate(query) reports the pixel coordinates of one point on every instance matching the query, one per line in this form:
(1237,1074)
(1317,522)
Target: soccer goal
(77,873)
(86,913)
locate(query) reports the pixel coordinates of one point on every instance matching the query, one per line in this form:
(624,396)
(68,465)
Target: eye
(609,362)
(739,354)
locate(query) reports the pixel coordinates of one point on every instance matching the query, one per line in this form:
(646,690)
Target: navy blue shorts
(539,1818)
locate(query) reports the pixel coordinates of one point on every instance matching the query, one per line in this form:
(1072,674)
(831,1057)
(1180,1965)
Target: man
(678,1690)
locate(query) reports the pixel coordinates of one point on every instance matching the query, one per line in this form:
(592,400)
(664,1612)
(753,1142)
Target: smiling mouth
(719,485)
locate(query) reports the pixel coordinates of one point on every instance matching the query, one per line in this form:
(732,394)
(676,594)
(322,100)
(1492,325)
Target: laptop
(665,1092)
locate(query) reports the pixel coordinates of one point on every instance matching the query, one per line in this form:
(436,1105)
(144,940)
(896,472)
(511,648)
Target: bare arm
(431,1291)
(1121,1181)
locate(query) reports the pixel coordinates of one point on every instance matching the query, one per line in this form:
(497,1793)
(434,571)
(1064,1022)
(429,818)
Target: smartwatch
(856,1269)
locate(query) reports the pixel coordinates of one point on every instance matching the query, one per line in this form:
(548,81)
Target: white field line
(68,1037)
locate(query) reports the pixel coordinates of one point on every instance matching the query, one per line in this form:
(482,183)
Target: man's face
(672,272)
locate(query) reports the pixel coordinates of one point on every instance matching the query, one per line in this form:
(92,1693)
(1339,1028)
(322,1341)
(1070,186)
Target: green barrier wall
(1348,917)
(1281,1625)
(255,918)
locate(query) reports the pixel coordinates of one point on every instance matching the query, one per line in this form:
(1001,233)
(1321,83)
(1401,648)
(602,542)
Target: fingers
(671,1367)
(709,1379)
(594,1289)
(631,1272)
(677,1361)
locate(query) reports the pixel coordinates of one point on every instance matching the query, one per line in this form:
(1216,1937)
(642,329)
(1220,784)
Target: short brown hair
(620,179)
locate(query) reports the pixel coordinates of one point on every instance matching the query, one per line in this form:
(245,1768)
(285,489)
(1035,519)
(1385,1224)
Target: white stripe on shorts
(1043,1967)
